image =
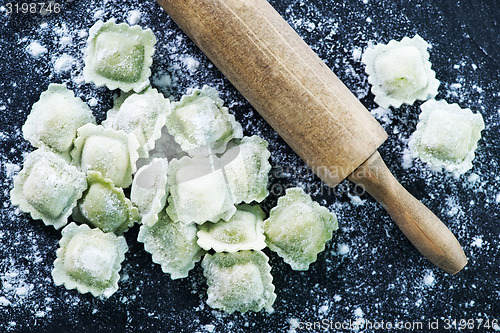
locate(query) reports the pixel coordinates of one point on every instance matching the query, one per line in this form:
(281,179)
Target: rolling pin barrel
(303,100)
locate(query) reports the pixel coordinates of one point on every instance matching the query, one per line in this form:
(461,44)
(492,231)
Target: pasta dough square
(198,192)
(239,281)
(54,119)
(172,245)
(48,188)
(246,165)
(243,231)
(149,190)
(142,114)
(119,56)
(400,72)
(446,136)
(201,124)
(112,153)
(105,206)
(89,260)
(298,228)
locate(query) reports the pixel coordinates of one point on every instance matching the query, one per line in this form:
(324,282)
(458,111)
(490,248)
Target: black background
(381,278)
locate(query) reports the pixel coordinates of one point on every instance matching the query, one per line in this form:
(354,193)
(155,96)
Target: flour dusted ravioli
(112,153)
(54,119)
(400,72)
(246,164)
(172,245)
(243,231)
(142,114)
(119,56)
(446,136)
(239,281)
(105,206)
(48,188)
(149,190)
(298,228)
(89,260)
(201,124)
(198,192)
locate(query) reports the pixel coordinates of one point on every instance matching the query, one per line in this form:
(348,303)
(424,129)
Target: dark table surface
(369,270)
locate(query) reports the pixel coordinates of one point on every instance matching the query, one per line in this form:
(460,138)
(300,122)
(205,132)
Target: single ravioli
(48,188)
(200,123)
(149,190)
(400,72)
(172,245)
(89,260)
(243,231)
(239,281)
(246,165)
(446,136)
(198,192)
(142,114)
(112,153)
(105,206)
(119,56)
(298,228)
(54,119)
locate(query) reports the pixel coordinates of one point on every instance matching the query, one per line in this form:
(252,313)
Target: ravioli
(200,123)
(446,136)
(243,231)
(172,245)
(119,56)
(54,119)
(298,228)
(400,72)
(198,192)
(110,152)
(149,190)
(89,260)
(142,114)
(48,188)
(246,165)
(105,206)
(239,281)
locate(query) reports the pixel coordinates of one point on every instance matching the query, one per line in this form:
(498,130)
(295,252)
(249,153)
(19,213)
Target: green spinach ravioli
(119,56)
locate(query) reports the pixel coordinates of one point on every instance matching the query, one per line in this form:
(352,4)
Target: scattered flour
(134,17)
(99,14)
(63,64)
(357,53)
(66,41)
(477,241)
(36,49)
(342,249)
(382,114)
(429,279)
(4,301)
(473,177)
(191,64)
(358,312)
(356,200)
(163,82)
(209,328)
(93,102)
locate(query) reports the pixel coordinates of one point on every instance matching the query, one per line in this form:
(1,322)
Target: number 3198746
(43,8)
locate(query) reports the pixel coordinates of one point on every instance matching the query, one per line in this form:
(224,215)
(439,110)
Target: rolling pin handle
(424,229)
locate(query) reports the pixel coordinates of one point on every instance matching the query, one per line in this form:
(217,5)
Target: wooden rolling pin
(310,108)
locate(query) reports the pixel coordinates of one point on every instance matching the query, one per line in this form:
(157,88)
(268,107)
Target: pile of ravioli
(191,179)
(446,135)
